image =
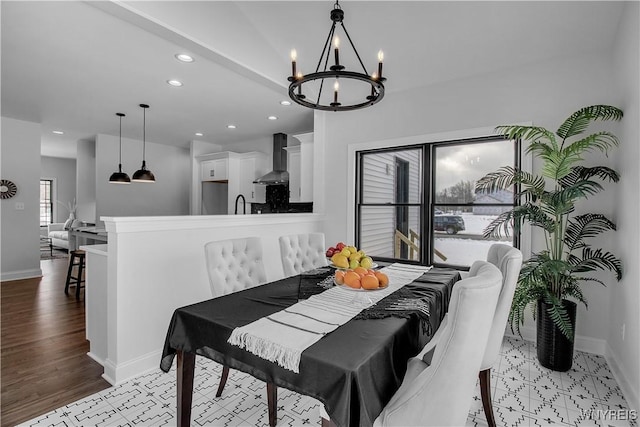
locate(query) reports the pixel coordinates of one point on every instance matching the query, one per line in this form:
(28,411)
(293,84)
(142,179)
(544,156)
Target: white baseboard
(21,274)
(118,373)
(628,390)
(96,358)
(581,343)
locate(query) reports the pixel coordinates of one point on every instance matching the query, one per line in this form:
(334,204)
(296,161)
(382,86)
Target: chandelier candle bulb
(380,58)
(294,56)
(336,46)
(336,86)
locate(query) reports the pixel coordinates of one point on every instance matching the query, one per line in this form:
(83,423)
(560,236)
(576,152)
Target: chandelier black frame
(337,72)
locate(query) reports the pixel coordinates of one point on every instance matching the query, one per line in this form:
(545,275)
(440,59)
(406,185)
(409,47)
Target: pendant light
(143,174)
(120,177)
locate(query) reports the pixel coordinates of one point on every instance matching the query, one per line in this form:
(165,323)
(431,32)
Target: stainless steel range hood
(279,174)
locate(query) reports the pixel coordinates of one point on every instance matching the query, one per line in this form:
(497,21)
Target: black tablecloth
(354,370)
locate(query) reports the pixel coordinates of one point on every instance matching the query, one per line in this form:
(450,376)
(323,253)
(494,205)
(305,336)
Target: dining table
(354,370)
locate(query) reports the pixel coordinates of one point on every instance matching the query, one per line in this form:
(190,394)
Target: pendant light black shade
(143,174)
(120,177)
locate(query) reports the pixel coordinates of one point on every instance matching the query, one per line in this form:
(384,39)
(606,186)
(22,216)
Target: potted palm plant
(547,201)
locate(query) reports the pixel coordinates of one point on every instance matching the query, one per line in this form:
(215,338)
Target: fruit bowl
(344,257)
(361,279)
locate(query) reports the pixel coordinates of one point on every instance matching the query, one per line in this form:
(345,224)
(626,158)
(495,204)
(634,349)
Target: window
(46,202)
(390,208)
(418,203)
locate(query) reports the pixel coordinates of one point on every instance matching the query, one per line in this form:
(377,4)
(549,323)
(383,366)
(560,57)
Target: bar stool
(76,258)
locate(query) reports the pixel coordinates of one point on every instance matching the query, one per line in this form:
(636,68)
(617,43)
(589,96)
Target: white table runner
(282,337)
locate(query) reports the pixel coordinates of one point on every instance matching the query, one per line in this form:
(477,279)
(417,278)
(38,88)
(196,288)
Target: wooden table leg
(272,403)
(186,366)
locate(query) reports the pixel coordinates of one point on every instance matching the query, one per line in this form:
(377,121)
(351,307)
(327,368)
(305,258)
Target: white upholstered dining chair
(302,252)
(440,394)
(508,260)
(234,265)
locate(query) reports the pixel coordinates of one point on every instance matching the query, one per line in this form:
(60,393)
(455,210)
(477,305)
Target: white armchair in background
(58,235)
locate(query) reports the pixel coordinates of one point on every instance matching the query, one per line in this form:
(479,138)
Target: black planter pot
(555,350)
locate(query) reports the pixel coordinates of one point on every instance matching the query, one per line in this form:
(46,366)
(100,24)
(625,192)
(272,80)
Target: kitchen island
(157,264)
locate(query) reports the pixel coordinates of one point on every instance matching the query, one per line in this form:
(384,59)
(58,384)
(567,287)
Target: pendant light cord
(144,132)
(120,162)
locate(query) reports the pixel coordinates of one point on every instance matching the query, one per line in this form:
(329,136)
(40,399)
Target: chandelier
(364,89)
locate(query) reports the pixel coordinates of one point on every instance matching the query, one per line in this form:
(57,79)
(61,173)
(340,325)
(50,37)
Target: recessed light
(184,57)
(272,118)
(199,134)
(175,83)
(58,132)
(285,102)
(231,126)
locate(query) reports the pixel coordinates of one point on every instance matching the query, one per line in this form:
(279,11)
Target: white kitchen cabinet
(221,177)
(215,170)
(253,165)
(294,167)
(300,167)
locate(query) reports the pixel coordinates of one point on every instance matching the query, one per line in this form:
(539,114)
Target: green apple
(354,263)
(366,262)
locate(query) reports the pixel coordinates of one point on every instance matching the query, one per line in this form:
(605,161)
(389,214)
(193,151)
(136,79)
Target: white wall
(624,354)
(169,195)
(156,265)
(20,162)
(86,181)
(63,172)
(542,93)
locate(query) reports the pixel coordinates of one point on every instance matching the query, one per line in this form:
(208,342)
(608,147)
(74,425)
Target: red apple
(340,246)
(330,252)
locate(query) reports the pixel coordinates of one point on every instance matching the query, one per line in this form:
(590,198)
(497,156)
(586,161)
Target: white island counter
(157,264)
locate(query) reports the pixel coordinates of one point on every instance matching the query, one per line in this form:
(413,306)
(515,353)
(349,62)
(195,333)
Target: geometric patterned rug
(524,394)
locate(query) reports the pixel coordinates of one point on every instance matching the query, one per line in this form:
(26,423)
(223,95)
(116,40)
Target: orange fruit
(352,279)
(339,277)
(370,282)
(370,271)
(383,279)
(361,271)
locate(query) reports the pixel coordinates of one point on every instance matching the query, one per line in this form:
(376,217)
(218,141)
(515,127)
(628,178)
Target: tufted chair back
(509,260)
(234,265)
(440,394)
(302,252)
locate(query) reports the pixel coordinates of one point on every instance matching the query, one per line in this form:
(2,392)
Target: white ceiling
(72,65)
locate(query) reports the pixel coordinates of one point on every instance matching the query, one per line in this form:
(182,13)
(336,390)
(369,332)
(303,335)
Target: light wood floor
(44,360)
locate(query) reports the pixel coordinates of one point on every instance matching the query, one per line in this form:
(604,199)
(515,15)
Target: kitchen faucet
(244,204)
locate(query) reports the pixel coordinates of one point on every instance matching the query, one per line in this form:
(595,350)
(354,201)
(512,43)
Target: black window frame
(427,204)
(44,203)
